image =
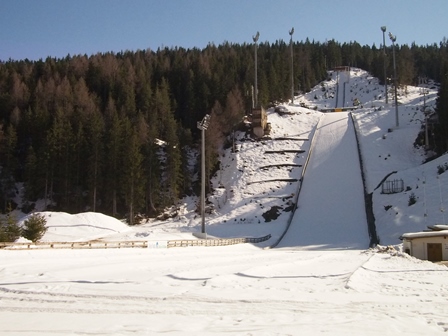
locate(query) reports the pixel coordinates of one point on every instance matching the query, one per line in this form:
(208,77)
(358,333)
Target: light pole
(203,125)
(393,39)
(255,38)
(292,67)
(422,81)
(383,29)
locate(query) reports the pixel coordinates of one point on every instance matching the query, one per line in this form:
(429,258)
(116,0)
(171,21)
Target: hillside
(255,189)
(384,150)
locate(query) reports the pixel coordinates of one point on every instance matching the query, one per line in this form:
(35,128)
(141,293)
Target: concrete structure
(431,245)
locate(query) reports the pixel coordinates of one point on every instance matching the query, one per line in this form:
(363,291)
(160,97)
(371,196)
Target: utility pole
(292,66)
(422,81)
(255,38)
(383,29)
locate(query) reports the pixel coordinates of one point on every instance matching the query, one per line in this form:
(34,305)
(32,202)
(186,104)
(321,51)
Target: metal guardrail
(131,244)
(75,245)
(216,242)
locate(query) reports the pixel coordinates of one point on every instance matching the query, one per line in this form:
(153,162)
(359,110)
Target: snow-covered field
(251,289)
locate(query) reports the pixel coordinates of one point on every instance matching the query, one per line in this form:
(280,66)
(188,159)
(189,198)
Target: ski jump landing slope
(330,210)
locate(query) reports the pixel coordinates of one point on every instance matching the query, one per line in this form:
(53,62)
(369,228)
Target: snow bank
(64,227)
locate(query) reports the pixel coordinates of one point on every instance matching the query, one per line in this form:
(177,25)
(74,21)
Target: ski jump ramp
(330,211)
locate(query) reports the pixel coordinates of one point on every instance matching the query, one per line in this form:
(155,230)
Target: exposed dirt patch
(272,213)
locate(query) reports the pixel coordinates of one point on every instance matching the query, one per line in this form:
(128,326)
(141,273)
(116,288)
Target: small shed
(431,245)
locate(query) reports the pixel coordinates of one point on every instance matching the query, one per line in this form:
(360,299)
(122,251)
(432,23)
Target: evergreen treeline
(84,131)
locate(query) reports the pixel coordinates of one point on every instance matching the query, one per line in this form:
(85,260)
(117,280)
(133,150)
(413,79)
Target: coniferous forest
(111,132)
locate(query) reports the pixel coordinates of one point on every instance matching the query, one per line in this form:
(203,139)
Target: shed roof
(429,234)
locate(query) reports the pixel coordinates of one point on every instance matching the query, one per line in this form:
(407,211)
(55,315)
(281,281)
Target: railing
(76,245)
(132,244)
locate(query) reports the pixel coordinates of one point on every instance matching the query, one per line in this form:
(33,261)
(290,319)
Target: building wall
(419,249)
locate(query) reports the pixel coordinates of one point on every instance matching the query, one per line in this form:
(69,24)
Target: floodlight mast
(393,38)
(255,38)
(292,66)
(203,125)
(383,29)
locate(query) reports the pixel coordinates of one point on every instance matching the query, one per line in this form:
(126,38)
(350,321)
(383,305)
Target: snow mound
(64,227)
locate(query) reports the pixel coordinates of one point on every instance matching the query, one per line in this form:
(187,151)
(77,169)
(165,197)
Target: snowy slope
(331,212)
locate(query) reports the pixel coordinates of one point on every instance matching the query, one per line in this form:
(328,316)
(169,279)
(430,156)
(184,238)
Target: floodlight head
(255,38)
(204,123)
(383,28)
(392,37)
(291,31)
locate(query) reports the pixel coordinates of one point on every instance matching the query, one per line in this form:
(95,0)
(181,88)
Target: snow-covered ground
(250,289)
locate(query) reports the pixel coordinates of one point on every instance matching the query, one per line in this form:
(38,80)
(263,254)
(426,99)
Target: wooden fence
(131,244)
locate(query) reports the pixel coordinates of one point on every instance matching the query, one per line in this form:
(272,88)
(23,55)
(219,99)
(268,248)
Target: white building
(431,245)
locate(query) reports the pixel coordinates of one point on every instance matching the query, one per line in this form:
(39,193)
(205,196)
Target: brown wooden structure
(259,121)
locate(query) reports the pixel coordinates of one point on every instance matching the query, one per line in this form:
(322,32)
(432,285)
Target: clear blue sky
(36,29)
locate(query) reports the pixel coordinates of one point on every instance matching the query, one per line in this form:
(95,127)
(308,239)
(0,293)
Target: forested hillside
(112,132)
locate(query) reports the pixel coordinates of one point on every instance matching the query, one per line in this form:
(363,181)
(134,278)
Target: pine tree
(114,149)
(58,156)
(31,174)
(173,160)
(13,229)
(9,164)
(34,227)
(185,142)
(95,129)
(9,228)
(131,179)
(152,167)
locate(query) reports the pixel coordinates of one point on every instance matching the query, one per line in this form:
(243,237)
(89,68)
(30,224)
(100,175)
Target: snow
(411,235)
(63,227)
(314,282)
(332,182)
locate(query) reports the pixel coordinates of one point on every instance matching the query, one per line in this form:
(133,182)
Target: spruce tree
(95,130)
(131,178)
(9,165)
(152,165)
(9,228)
(34,227)
(13,229)
(174,160)
(31,174)
(113,158)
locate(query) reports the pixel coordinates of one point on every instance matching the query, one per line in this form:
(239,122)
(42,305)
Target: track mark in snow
(361,266)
